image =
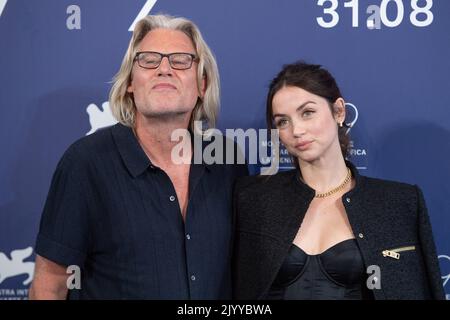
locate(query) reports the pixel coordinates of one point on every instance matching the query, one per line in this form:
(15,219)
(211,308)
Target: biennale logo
(143,13)
(352,113)
(357,153)
(445,268)
(100,118)
(16,265)
(2,6)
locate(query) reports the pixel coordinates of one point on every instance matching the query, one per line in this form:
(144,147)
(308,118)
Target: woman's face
(307,127)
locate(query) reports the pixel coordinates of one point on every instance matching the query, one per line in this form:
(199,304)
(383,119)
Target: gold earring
(341,124)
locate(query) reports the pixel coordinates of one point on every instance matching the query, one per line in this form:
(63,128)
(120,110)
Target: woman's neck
(323,175)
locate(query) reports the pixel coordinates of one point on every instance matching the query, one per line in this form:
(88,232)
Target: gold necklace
(338,188)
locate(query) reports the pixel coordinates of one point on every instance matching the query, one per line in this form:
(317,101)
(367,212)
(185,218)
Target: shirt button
(172,198)
(348,200)
(193,278)
(188,236)
(361,235)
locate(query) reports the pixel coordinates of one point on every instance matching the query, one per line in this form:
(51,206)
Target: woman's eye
(308,113)
(281,123)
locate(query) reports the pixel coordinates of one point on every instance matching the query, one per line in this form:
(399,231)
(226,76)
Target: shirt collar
(132,153)
(130,150)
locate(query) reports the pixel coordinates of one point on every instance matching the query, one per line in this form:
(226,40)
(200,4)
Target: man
(138,224)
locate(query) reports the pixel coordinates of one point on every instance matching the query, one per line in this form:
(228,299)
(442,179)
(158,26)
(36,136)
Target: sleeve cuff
(58,253)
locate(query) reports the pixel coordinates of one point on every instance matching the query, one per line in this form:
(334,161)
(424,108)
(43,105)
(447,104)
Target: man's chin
(166,113)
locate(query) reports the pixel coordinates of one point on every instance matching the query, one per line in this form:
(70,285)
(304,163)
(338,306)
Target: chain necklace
(338,188)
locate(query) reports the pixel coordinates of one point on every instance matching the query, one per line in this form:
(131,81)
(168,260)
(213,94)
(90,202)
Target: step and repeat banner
(390,57)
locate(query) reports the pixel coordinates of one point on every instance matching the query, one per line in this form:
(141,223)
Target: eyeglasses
(177,60)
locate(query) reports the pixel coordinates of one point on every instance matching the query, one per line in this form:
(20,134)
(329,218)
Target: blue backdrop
(390,57)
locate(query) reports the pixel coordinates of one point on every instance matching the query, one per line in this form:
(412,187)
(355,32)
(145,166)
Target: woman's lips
(303,145)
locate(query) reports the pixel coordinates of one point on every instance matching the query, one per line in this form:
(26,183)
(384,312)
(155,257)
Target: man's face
(164,92)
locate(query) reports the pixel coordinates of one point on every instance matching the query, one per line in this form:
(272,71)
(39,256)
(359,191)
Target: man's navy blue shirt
(116,216)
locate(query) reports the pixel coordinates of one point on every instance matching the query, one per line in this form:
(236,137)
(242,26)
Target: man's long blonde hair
(206,109)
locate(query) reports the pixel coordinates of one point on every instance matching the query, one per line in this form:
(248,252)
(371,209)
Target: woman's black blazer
(384,215)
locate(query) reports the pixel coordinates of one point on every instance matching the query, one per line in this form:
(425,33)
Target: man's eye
(150,61)
(178,62)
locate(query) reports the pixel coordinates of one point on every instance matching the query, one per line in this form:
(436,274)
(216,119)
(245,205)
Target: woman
(323,231)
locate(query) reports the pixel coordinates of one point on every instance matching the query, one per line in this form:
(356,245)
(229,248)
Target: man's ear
(130,87)
(130,83)
(202,88)
(339,110)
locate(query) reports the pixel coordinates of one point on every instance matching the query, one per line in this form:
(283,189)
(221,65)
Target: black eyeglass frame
(168,55)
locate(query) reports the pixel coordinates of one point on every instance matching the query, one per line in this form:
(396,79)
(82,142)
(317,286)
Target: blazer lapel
(295,197)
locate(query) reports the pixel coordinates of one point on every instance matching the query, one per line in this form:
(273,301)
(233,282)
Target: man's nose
(164,67)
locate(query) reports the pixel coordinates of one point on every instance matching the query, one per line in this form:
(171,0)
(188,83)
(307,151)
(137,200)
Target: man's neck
(155,137)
